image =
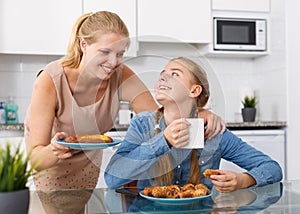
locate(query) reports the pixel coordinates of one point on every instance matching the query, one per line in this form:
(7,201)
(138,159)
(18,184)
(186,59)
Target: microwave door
(235,35)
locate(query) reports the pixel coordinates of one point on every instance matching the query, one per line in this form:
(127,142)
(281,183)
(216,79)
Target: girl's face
(174,85)
(103,56)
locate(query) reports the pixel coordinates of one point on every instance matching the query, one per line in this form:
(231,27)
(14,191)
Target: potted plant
(14,173)
(249,110)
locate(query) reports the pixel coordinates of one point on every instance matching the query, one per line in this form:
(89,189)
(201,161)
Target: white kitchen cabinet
(37,27)
(107,154)
(126,9)
(186,21)
(242,5)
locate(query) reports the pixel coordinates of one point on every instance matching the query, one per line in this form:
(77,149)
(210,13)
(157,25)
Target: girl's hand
(61,152)
(215,124)
(228,181)
(177,133)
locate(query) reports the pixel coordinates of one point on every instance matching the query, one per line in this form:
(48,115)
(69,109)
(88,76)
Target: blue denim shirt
(140,150)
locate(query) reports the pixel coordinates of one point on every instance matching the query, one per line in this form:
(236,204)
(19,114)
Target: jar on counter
(2,113)
(11,111)
(125,113)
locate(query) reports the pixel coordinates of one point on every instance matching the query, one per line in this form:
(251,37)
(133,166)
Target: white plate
(89,146)
(175,201)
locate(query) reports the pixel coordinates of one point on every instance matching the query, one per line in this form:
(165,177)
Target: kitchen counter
(230,125)
(13,130)
(256,125)
(281,197)
(235,125)
(12,127)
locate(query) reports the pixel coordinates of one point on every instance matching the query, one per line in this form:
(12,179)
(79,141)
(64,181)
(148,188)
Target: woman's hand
(228,181)
(61,152)
(177,133)
(214,123)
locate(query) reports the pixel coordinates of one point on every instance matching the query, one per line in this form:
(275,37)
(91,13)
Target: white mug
(196,133)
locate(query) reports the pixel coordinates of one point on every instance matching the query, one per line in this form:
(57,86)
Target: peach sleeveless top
(81,170)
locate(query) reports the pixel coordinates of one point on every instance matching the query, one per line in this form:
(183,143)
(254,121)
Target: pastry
(203,188)
(188,186)
(208,172)
(96,138)
(148,191)
(174,191)
(187,194)
(159,191)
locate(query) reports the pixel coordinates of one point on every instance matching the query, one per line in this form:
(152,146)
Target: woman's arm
(134,91)
(42,111)
(215,124)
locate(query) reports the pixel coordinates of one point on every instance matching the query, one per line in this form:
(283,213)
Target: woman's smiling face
(103,56)
(174,84)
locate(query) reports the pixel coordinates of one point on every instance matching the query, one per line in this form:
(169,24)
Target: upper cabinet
(186,21)
(44,27)
(126,9)
(37,27)
(242,5)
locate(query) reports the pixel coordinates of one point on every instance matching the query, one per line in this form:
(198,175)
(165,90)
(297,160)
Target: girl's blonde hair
(163,171)
(200,78)
(89,26)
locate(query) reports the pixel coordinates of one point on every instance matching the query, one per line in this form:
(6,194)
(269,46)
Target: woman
(151,151)
(80,94)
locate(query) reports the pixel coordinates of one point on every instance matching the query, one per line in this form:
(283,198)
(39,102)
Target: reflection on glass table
(282,197)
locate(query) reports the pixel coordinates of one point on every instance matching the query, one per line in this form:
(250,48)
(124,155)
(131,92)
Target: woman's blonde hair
(163,170)
(88,26)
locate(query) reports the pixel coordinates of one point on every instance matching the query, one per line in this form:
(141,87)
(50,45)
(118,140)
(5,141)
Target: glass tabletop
(282,197)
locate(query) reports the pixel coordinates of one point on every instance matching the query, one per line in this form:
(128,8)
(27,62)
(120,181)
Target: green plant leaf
(14,171)
(249,102)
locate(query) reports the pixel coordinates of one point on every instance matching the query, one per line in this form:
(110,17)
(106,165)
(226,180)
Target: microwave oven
(237,34)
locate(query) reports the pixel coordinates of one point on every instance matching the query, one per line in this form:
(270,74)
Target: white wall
(270,70)
(293,87)
(17,75)
(229,76)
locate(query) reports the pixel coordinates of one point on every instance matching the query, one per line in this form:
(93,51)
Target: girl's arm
(136,155)
(261,169)
(134,91)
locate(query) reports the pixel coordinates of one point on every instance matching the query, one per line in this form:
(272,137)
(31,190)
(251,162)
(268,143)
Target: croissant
(203,188)
(159,191)
(188,187)
(148,191)
(96,138)
(173,191)
(208,172)
(187,194)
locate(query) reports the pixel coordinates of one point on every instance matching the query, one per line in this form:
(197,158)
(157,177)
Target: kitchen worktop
(230,125)
(11,130)
(12,127)
(256,125)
